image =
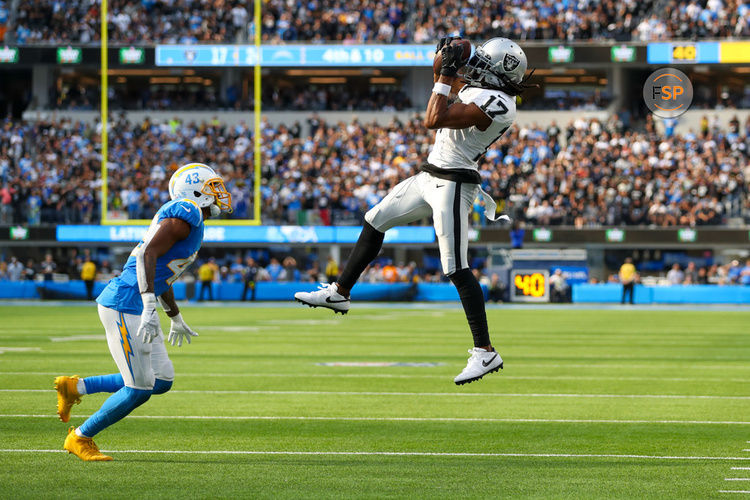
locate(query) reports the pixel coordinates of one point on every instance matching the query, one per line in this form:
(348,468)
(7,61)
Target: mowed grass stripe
(436,394)
(421,376)
(403,419)
(396,454)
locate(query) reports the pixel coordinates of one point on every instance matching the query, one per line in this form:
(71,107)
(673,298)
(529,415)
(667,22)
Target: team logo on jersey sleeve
(510,62)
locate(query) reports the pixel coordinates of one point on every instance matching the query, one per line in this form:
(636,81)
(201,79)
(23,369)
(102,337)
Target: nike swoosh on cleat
(487,363)
(439,185)
(328,299)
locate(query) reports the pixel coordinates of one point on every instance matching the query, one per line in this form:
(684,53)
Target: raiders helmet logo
(510,62)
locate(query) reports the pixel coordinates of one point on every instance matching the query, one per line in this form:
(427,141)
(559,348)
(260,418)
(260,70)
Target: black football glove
(444,41)
(453,59)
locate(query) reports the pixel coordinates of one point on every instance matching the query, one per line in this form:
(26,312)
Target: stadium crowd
(363,21)
(585,173)
(261,266)
(731,273)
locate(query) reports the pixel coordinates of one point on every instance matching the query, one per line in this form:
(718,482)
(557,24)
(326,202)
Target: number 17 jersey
(122,293)
(462,148)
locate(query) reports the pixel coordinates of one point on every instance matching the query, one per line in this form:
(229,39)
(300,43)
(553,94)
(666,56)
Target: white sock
(81,387)
(79,433)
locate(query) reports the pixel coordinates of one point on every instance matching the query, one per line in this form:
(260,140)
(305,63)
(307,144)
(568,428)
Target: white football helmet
(199,182)
(498,63)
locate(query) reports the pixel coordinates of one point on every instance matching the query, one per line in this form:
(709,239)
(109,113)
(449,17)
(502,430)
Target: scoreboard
(529,285)
(685,52)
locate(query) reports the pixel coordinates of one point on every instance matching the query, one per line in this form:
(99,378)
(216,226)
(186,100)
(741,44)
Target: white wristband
(149,300)
(441,89)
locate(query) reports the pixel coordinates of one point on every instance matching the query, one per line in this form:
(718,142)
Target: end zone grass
(615,404)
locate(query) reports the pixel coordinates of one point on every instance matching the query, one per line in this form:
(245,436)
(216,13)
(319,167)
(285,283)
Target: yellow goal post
(105,220)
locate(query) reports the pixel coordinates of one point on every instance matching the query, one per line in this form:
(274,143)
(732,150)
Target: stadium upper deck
(367,21)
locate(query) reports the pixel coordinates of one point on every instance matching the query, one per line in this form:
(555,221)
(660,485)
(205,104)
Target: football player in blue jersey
(127,309)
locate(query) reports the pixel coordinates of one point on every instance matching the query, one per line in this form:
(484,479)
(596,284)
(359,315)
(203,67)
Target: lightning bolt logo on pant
(125,341)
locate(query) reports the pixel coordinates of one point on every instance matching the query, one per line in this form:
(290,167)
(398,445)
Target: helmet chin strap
(215,211)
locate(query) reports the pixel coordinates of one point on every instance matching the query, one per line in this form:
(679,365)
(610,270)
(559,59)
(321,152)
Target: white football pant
(423,195)
(139,363)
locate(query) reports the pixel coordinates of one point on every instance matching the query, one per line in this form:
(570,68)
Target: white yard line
(746,492)
(19,349)
(740,468)
(393,454)
(441,394)
(627,366)
(737,479)
(76,338)
(402,419)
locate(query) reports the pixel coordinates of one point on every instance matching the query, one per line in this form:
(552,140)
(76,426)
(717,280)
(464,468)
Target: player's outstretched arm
(168,232)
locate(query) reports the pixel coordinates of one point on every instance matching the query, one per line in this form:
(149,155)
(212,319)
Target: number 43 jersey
(122,293)
(462,148)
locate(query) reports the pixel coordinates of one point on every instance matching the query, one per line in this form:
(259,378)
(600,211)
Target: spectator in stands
(29,272)
(313,273)
(206,275)
(745,274)
(88,275)
(15,269)
(675,276)
(48,267)
(390,272)
(628,276)
(410,273)
(691,274)
(702,276)
(516,234)
(275,270)
(374,273)
(559,287)
(237,270)
(3,270)
(250,277)
(733,271)
(291,273)
(496,289)
(332,270)
(6,207)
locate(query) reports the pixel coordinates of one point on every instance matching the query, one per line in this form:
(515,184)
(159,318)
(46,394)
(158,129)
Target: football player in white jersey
(448,183)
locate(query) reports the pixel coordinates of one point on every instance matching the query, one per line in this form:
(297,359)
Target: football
(437,63)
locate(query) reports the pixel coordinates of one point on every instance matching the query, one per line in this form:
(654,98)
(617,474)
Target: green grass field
(591,404)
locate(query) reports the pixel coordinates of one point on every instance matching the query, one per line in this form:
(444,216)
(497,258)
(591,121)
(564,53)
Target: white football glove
(150,327)
(180,330)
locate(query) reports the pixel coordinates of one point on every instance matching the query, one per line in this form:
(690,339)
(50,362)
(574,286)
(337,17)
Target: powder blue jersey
(122,293)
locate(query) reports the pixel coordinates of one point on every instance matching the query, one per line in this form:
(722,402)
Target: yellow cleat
(67,395)
(84,448)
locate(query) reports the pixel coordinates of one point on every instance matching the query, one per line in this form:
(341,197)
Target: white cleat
(480,363)
(326,296)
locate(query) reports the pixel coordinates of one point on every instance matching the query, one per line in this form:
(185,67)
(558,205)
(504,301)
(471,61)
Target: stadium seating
(585,173)
(363,21)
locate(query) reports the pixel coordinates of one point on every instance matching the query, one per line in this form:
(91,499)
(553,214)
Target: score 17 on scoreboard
(529,285)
